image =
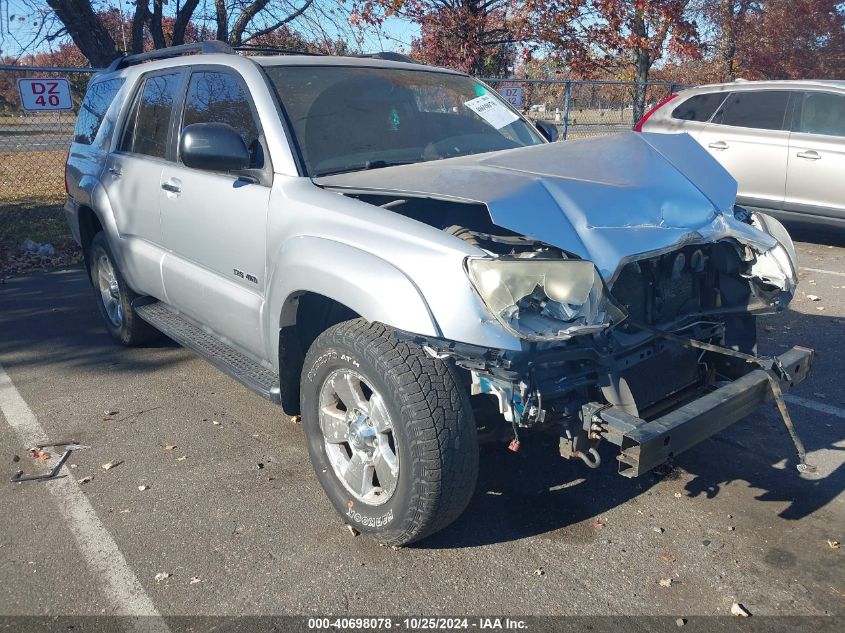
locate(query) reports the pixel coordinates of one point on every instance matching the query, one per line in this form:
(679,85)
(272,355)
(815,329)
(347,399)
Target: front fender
(361,281)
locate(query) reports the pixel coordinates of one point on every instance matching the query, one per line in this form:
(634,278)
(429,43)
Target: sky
(18,28)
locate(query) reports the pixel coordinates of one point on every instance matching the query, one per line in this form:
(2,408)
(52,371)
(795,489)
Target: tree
(475,36)
(615,35)
(157,24)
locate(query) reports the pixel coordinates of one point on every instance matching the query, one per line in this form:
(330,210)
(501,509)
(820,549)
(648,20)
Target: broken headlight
(542,300)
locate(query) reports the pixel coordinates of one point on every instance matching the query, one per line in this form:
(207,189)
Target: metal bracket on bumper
(646,444)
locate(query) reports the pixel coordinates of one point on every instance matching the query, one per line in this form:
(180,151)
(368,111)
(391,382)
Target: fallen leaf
(296,419)
(598,524)
(659,530)
(665,582)
(194,581)
(680,621)
(142,488)
(814,298)
(162,575)
(678,495)
(538,572)
(169,447)
(110,412)
(39,454)
(215,423)
(352,530)
(110,465)
(74,466)
(820,308)
(182,459)
(739,610)
(667,558)
(84,480)
(833,544)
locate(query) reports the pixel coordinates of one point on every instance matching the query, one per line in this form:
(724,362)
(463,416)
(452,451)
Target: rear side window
(822,113)
(764,109)
(93,109)
(700,107)
(149,120)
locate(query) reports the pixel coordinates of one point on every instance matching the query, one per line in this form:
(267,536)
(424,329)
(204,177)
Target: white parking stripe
(815,405)
(120,586)
(824,272)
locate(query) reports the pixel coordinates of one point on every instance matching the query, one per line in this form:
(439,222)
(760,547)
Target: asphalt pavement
(214,509)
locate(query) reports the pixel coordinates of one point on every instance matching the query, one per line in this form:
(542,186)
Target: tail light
(639,126)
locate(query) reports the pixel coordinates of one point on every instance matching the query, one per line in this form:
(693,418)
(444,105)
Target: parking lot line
(815,405)
(119,583)
(824,272)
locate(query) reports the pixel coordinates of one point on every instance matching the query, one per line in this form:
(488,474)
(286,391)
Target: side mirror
(547,130)
(213,147)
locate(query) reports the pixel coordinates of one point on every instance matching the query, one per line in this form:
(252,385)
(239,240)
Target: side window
(822,113)
(93,110)
(763,109)
(699,107)
(215,97)
(149,120)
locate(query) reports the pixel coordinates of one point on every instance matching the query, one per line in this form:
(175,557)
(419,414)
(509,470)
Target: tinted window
(93,109)
(349,118)
(822,113)
(762,110)
(219,98)
(148,123)
(699,107)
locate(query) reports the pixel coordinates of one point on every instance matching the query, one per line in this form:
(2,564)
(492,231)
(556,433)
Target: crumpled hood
(606,199)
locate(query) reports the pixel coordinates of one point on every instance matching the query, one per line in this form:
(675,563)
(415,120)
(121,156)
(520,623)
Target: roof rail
(390,56)
(247,48)
(209,46)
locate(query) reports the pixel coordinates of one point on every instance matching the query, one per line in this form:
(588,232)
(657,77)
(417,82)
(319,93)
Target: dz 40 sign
(45,94)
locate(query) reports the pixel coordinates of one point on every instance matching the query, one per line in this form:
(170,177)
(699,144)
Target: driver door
(213,224)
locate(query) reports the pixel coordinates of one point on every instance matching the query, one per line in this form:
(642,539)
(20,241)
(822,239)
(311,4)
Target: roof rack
(273,49)
(209,46)
(391,56)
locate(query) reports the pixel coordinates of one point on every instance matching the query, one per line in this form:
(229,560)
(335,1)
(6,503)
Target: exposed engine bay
(708,292)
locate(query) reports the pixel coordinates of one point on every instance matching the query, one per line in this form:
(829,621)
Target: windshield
(352,118)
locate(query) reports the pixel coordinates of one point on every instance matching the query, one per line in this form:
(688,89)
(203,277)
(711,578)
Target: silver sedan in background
(783,141)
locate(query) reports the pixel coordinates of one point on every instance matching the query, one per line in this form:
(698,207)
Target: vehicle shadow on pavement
(52,319)
(537,492)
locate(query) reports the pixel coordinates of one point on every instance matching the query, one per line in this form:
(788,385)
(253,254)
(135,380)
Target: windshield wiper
(370,164)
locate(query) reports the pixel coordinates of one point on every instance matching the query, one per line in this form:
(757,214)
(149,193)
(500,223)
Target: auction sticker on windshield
(491,111)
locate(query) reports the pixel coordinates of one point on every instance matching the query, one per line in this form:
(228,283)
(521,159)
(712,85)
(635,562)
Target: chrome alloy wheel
(358,435)
(109,290)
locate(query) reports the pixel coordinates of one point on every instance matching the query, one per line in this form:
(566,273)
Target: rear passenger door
(214,223)
(132,178)
(815,182)
(748,136)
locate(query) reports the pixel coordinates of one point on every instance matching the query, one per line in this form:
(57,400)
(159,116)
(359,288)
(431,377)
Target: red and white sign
(45,94)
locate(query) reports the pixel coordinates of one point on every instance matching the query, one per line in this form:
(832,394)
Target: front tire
(390,432)
(114,297)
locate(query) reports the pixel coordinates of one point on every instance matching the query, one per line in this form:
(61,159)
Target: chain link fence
(33,145)
(581,108)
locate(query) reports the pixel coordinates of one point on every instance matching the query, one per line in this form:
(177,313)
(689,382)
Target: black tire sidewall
(100,245)
(395,516)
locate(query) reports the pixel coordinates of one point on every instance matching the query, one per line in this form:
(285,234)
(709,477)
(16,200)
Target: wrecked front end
(654,360)
(634,294)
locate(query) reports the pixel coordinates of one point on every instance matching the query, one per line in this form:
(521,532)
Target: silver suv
(393,251)
(784,142)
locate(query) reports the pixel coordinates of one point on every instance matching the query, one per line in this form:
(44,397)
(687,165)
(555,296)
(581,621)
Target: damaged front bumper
(647,444)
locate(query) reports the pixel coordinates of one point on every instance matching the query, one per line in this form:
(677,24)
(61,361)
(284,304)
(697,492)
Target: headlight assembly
(544,300)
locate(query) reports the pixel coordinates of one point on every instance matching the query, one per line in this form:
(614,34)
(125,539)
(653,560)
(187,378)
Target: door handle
(718,145)
(809,155)
(169,186)
(115,171)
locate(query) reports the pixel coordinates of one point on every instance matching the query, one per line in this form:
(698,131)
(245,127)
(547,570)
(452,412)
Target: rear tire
(114,297)
(372,401)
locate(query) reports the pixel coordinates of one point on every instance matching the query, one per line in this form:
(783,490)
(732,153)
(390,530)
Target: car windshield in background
(352,118)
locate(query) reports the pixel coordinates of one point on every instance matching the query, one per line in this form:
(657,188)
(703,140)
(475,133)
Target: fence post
(566,103)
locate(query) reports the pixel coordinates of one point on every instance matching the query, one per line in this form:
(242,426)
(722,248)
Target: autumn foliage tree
(620,37)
